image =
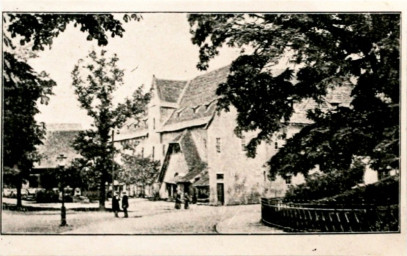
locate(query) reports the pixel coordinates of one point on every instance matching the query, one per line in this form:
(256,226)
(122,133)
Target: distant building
(58,140)
(199,152)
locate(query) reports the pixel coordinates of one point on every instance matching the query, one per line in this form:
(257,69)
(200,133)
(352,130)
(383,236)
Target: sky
(160,45)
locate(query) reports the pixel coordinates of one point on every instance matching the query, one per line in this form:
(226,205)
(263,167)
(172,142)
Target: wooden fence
(308,217)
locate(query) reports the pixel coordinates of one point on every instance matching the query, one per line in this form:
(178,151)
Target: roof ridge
(183,92)
(212,71)
(174,80)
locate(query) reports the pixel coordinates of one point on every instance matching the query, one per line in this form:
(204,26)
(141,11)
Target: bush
(92,195)
(47,196)
(321,185)
(383,192)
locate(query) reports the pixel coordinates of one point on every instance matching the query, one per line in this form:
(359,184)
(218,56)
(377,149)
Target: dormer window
(195,109)
(207,106)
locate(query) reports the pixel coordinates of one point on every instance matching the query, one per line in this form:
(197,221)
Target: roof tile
(169,90)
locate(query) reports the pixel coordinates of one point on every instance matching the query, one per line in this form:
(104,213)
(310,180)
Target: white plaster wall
(243,177)
(178,165)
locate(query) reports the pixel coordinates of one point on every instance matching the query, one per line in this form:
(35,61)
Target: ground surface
(145,217)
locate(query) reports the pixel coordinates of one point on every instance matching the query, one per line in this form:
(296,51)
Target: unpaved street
(145,217)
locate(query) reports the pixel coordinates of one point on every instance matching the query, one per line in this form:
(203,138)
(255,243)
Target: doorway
(221,193)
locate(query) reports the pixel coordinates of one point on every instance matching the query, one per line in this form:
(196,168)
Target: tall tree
(24,88)
(95,78)
(323,51)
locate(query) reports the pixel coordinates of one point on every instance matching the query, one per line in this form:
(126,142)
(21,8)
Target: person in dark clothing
(116,205)
(186,201)
(194,198)
(178,201)
(125,204)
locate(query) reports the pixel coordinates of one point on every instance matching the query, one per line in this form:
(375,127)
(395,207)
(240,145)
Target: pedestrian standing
(116,205)
(178,201)
(186,201)
(194,198)
(125,204)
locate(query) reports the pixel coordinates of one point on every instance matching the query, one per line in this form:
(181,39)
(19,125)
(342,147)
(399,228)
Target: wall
(177,164)
(242,176)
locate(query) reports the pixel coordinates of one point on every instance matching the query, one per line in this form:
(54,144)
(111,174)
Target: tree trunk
(19,201)
(102,194)
(18,186)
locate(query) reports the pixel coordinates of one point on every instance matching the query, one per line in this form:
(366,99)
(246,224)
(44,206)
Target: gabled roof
(190,176)
(189,150)
(63,127)
(339,95)
(191,156)
(198,101)
(54,144)
(195,100)
(169,90)
(202,89)
(132,129)
(203,180)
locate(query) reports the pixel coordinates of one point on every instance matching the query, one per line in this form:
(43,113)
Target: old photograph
(152,123)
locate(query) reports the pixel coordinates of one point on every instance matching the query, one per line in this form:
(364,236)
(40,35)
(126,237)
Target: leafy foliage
(138,170)
(24,88)
(320,185)
(95,78)
(41,29)
(322,51)
(384,192)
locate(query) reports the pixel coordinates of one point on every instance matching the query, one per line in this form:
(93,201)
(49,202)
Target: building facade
(198,149)
(58,140)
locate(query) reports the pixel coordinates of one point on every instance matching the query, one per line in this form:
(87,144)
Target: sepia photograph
(189,123)
(201,123)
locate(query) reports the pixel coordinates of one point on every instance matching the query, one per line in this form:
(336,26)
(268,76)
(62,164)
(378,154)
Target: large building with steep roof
(58,140)
(197,147)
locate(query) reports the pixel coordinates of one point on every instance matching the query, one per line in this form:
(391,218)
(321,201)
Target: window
(163,150)
(152,153)
(153,123)
(142,152)
(176,148)
(218,145)
(204,142)
(219,176)
(276,145)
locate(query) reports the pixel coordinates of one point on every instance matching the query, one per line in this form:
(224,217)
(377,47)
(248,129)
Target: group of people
(125,203)
(116,204)
(178,201)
